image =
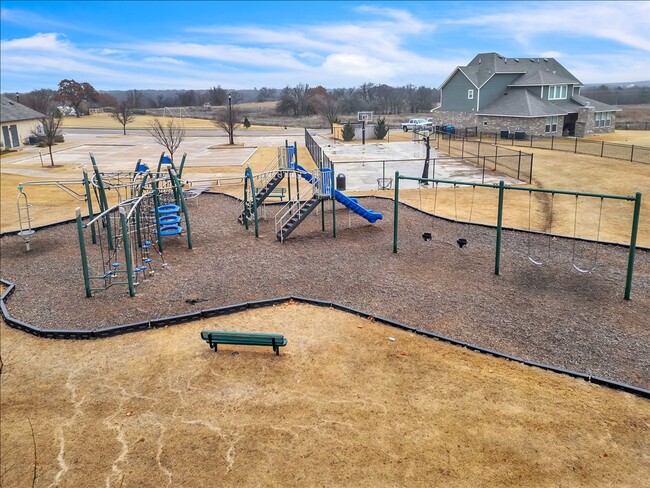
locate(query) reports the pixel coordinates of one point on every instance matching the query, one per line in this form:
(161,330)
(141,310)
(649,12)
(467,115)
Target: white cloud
(38,42)
(165,60)
(626,23)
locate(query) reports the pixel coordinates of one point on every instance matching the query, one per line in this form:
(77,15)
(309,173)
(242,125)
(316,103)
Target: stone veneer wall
(535,126)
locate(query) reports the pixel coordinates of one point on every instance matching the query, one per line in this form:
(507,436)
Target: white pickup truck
(417,124)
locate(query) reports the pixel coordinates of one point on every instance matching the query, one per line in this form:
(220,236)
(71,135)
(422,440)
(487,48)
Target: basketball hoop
(364,116)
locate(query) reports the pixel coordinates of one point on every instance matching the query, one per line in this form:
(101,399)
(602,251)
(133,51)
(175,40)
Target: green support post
(182,165)
(162,155)
(127,251)
(84,257)
(89,202)
(630,259)
(103,202)
(497,259)
(245,213)
(249,176)
(178,187)
(396,211)
(332,189)
(295,150)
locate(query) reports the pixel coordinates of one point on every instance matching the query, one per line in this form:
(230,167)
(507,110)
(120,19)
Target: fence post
(496,157)
(462,150)
(530,176)
(519,165)
(395,212)
(552,142)
(531,140)
(632,154)
(630,259)
(497,259)
(575,150)
(483,176)
(495,138)
(602,149)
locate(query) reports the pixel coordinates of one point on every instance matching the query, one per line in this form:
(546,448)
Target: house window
(485,120)
(557,92)
(608,119)
(470,94)
(551,124)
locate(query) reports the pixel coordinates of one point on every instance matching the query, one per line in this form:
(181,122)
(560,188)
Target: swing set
(534,258)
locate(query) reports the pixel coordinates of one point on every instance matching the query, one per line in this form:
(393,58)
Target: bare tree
(40,100)
(228,119)
(50,131)
(169,135)
(327,107)
(123,114)
(134,98)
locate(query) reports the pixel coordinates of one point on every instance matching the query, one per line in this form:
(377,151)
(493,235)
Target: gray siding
(496,87)
(537,91)
(454,95)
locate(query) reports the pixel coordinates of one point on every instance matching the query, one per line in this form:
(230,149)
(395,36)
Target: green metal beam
(632,252)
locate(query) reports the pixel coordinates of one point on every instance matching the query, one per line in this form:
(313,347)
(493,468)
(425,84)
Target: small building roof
(598,106)
(11,111)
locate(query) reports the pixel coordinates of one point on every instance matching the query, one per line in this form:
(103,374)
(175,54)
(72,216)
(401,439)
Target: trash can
(505,134)
(520,135)
(340,182)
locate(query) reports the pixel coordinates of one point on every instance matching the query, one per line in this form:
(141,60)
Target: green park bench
(277,193)
(214,337)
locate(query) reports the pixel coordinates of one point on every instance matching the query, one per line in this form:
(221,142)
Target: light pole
(230,125)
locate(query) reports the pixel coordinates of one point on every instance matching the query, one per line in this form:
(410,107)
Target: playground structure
(303,201)
(126,238)
(533,258)
(153,207)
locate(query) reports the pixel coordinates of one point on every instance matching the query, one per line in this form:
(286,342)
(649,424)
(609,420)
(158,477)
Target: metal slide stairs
(298,215)
(261,196)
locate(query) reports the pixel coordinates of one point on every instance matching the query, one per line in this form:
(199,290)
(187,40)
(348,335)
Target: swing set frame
(502,187)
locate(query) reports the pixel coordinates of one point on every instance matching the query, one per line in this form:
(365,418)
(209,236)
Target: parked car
(420,124)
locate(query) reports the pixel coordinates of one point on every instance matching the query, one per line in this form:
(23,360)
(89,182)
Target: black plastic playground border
(240,307)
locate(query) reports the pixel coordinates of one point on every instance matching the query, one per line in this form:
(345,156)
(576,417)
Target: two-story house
(533,95)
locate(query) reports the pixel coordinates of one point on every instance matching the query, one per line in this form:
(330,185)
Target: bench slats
(214,337)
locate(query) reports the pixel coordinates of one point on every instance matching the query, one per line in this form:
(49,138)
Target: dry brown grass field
(341,406)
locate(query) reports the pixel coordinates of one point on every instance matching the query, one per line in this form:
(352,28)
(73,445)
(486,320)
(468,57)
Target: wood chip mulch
(550,314)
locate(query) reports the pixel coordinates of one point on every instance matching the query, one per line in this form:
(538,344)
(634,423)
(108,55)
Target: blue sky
(196,45)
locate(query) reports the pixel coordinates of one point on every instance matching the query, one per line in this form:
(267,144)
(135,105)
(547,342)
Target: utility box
(340,182)
(505,134)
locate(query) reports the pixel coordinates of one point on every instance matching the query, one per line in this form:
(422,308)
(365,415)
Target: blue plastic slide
(348,202)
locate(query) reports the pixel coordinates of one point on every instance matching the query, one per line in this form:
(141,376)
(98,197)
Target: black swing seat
(214,337)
